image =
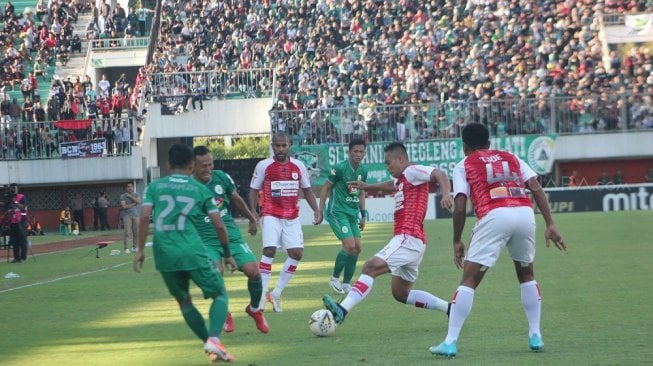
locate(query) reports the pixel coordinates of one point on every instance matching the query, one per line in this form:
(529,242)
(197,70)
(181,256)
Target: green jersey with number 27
(179,204)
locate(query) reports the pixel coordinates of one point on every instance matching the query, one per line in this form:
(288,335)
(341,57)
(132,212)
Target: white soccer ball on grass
(322,323)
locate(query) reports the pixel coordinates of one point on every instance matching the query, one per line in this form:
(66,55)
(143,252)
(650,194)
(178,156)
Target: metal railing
(46,140)
(110,44)
(410,122)
(250,83)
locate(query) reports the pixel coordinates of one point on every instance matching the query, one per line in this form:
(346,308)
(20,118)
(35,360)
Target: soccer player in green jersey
(178,203)
(342,213)
(224,192)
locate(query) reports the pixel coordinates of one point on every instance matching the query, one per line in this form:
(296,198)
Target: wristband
(225,249)
(365,214)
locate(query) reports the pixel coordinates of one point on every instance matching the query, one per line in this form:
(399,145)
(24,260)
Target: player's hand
(552,234)
(137,264)
(231,264)
(253,227)
(361,224)
(458,254)
(317,217)
(447,202)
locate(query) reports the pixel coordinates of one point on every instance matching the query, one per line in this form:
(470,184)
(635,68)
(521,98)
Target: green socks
(255,289)
(195,321)
(347,262)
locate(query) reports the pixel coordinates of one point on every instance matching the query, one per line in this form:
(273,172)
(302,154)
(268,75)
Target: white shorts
(282,233)
(403,254)
(510,227)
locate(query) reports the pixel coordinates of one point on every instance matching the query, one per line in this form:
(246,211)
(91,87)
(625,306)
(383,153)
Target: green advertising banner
(537,151)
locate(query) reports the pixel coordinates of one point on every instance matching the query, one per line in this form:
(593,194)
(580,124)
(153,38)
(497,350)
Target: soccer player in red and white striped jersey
(403,254)
(496,182)
(280,178)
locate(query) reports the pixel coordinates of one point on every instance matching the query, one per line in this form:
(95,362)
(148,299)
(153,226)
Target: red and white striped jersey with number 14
(280,184)
(492,179)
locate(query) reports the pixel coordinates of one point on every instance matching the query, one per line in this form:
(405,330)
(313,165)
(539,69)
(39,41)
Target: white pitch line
(64,277)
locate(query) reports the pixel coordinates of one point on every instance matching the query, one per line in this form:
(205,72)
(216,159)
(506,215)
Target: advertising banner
(82,149)
(636,197)
(537,151)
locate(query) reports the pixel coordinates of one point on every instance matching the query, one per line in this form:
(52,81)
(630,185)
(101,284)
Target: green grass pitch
(70,308)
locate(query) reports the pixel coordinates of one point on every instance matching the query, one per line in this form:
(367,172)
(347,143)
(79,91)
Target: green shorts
(207,278)
(239,251)
(343,226)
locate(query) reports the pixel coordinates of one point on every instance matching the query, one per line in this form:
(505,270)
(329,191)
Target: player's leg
(383,262)
(491,233)
(342,230)
(522,251)
(178,284)
(293,240)
(353,250)
(216,254)
(271,236)
(404,265)
(247,264)
(210,281)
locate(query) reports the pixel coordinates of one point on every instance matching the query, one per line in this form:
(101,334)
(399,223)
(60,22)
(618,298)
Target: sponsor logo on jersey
(284,188)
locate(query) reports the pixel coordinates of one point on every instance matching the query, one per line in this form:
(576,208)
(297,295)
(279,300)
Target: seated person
(66,218)
(34,227)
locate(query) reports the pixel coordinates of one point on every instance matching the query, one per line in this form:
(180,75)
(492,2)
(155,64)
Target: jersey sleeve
(418,174)
(259,176)
(526,171)
(304,180)
(148,200)
(229,184)
(460,184)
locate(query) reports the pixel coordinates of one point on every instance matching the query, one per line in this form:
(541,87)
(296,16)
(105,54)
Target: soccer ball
(322,323)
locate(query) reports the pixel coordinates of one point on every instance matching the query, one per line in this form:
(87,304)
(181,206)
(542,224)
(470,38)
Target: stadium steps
(77,63)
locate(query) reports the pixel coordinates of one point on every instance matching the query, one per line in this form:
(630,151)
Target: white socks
(531,298)
(358,292)
(287,272)
(423,299)
(461,305)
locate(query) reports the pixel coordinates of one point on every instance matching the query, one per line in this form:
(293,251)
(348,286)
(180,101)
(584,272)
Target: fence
(68,138)
(410,122)
(250,83)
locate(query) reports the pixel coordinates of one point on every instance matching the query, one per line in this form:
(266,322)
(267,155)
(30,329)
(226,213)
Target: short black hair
(476,135)
(201,150)
(356,142)
(180,155)
(281,135)
(394,147)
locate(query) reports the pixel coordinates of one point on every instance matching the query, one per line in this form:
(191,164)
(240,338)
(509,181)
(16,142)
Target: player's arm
(459,218)
(324,194)
(551,232)
(143,227)
(386,187)
(310,199)
(441,178)
(242,207)
(253,199)
(364,214)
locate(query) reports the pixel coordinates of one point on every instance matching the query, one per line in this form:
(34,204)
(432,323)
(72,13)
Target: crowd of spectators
(45,36)
(492,54)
